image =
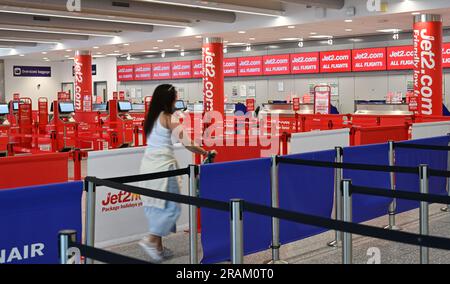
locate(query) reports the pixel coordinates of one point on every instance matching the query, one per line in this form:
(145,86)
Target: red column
(83,81)
(428,63)
(213,78)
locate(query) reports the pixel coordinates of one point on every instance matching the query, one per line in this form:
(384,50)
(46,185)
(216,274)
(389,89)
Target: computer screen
(180,105)
(198,107)
(99,107)
(4,109)
(125,106)
(15,106)
(138,107)
(66,107)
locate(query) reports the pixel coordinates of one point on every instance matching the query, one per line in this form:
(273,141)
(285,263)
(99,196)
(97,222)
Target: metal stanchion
(64,238)
(193,237)
(393,205)
(275,221)
(90,217)
(338,175)
(347,252)
(237,231)
(447,208)
(424,225)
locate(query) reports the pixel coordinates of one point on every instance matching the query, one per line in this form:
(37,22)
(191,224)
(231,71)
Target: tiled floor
(315,251)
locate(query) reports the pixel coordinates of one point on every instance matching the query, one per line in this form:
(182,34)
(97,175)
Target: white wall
(2,81)
(61,72)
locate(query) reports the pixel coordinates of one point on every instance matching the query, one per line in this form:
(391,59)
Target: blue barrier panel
(248,180)
(306,190)
(413,158)
(31,217)
(368,207)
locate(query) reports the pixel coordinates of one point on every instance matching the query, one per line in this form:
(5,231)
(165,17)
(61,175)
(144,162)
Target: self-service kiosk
(121,122)
(66,127)
(4,129)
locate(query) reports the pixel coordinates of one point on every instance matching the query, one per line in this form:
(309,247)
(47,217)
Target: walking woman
(159,157)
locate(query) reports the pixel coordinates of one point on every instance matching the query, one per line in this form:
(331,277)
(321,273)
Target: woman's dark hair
(162,101)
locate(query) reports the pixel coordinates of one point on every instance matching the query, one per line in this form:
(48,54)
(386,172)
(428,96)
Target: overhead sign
(336,61)
(250,66)
(276,64)
(370,59)
(305,63)
(181,70)
(32,71)
(125,73)
(230,68)
(400,58)
(142,72)
(161,71)
(197,69)
(250,103)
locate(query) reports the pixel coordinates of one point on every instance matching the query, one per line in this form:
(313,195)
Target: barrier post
(424,225)
(338,174)
(237,231)
(64,238)
(193,242)
(90,216)
(275,221)
(393,205)
(347,217)
(447,208)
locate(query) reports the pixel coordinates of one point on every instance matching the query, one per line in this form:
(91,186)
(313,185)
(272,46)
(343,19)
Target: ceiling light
(163,54)
(69,50)
(21,55)
(177,46)
(198,36)
(99,53)
(273,46)
(117,51)
(150,56)
(155,47)
(126,44)
(44,52)
(95,47)
(169,49)
(29,41)
(67,56)
(113,54)
(348,30)
(99,56)
(290,39)
(356,40)
(300,43)
(45,58)
(415,13)
(182,53)
(237,44)
(389,31)
(321,36)
(160,40)
(330,41)
(312,33)
(252,39)
(348,21)
(128,57)
(242,32)
(225,41)
(248,48)
(291,27)
(225,49)
(149,51)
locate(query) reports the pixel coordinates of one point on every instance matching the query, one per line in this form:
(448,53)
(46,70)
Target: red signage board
(197,69)
(142,72)
(336,61)
(125,73)
(276,64)
(250,66)
(250,105)
(230,68)
(322,99)
(161,71)
(400,58)
(296,104)
(181,70)
(305,63)
(16,97)
(370,59)
(446,55)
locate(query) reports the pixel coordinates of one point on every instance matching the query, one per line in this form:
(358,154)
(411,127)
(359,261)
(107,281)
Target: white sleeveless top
(160,137)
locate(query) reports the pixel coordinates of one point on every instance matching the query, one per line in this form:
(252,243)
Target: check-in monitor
(125,106)
(4,109)
(15,106)
(66,107)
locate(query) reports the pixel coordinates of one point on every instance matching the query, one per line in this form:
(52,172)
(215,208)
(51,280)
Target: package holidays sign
(230,68)
(276,64)
(181,70)
(400,58)
(250,66)
(371,59)
(336,61)
(125,73)
(32,71)
(197,69)
(115,201)
(427,39)
(142,72)
(305,63)
(161,71)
